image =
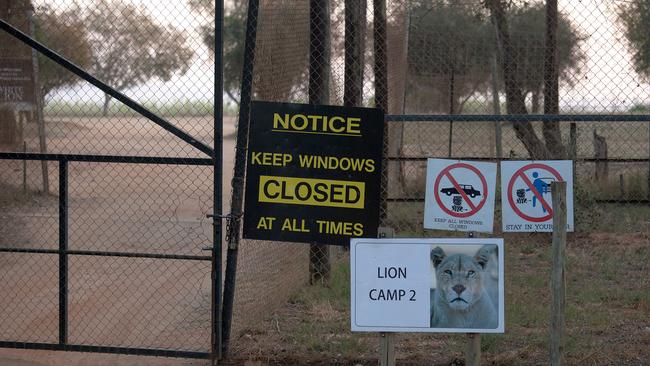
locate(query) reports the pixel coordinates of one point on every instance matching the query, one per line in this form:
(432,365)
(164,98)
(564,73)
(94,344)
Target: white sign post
(460,195)
(427,285)
(526,194)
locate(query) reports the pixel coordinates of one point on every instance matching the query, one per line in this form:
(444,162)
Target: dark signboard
(16,80)
(313,173)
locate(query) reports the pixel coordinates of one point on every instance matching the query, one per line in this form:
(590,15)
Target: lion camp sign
(427,285)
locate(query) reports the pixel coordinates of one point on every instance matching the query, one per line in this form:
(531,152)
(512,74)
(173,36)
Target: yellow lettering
(311,192)
(279,120)
(354,125)
(318,124)
(340,228)
(303,124)
(339,119)
(266,223)
(274,159)
(256,158)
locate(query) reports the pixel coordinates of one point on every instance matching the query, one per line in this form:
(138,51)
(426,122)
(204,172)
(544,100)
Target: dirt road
(134,302)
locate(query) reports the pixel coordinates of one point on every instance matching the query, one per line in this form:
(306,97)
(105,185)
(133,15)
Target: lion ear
(437,255)
(482,257)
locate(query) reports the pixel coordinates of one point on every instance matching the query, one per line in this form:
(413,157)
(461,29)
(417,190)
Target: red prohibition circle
(446,171)
(514,177)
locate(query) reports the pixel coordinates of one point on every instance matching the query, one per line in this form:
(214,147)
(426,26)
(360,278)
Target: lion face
(458,278)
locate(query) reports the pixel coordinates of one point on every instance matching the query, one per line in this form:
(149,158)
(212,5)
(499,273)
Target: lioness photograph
(465,286)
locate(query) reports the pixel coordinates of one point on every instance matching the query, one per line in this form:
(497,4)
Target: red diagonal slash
(460,190)
(536,193)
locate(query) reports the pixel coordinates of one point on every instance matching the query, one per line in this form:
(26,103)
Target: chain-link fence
(449,74)
(103,198)
(466,80)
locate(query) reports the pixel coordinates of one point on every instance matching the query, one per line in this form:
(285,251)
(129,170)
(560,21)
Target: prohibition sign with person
(464,191)
(539,187)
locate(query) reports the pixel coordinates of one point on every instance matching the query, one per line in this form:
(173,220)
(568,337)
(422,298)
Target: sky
(607,80)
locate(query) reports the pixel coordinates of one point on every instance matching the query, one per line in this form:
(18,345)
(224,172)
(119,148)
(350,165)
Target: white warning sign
(460,195)
(526,194)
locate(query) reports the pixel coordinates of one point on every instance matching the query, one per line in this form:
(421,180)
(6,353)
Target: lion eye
(448,272)
(471,273)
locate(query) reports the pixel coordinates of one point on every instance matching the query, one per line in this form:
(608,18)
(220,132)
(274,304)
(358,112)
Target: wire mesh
(137,274)
(470,58)
(466,58)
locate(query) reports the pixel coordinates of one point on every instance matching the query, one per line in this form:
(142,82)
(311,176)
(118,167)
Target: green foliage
(234,31)
(64,32)
(130,48)
(634,15)
(448,37)
(528,32)
(640,108)
(445,38)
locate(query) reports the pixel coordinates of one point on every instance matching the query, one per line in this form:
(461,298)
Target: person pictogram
(541,186)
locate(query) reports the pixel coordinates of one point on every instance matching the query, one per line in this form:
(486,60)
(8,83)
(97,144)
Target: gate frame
(215,160)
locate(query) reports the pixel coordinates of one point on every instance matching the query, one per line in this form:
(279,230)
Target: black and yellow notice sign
(313,173)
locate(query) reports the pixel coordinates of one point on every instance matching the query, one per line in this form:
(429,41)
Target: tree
(449,46)
(65,33)
(516,80)
(634,15)
(281,50)
(527,27)
(234,32)
(130,48)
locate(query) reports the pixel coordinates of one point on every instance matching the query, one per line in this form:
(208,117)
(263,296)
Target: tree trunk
(355,21)
(8,126)
(107,102)
(535,102)
(381,95)
(551,129)
(319,76)
(515,99)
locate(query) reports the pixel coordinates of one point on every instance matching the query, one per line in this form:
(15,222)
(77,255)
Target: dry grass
(608,304)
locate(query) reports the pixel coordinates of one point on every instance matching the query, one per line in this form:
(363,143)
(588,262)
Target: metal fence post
(217,224)
(240,172)
(63,255)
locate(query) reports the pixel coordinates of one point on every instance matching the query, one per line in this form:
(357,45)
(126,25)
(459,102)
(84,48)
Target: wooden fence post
(473,351)
(387,349)
(558,191)
(386,340)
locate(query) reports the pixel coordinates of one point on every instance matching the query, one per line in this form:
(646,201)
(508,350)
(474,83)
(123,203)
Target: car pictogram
(468,189)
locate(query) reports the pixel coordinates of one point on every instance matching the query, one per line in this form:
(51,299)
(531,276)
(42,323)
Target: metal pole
(63,256)
(217,227)
(24,169)
(38,100)
(237,201)
(558,192)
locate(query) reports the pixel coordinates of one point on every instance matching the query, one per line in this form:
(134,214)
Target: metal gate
(121,255)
